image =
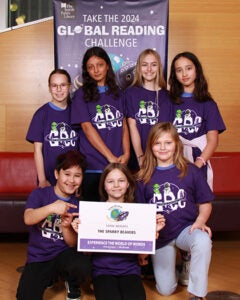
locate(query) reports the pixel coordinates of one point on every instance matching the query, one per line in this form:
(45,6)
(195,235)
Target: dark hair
(200,92)
(63,72)
(69,159)
(90,88)
(130,193)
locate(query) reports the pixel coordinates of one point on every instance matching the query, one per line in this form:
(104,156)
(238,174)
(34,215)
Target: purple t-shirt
(116,264)
(51,126)
(194,119)
(106,116)
(176,198)
(147,109)
(46,238)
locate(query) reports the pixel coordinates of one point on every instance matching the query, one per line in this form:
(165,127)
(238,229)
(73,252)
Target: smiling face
(97,69)
(149,68)
(185,72)
(68,181)
(59,87)
(116,185)
(163,149)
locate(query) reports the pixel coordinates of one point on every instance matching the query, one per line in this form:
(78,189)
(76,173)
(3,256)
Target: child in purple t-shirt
(197,118)
(194,113)
(98,108)
(147,100)
(48,213)
(183,196)
(116,275)
(50,129)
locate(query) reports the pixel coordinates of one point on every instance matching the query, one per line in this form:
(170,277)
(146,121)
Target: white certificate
(117,227)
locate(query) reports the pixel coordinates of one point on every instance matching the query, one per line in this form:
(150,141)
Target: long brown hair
(90,89)
(130,193)
(200,92)
(150,162)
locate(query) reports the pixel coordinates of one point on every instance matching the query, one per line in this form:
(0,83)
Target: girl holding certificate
(117,276)
(184,197)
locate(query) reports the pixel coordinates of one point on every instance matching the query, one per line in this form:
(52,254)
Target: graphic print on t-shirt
(61,135)
(168,197)
(107,117)
(51,228)
(187,121)
(148,112)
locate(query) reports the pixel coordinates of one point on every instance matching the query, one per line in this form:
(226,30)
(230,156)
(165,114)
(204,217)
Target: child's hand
(123,159)
(75,224)
(203,227)
(61,207)
(143,259)
(160,223)
(67,219)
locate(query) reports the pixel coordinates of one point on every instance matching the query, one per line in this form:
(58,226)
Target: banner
(122,28)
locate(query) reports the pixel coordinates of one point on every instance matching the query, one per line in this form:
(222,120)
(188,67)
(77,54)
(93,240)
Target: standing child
(48,255)
(183,196)
(146,100)
(117,276)
(98,108)
(194,113)
(50,129)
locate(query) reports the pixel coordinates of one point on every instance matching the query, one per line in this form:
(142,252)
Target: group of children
(173,134)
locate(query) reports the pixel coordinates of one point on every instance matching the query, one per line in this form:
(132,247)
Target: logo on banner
(67,10)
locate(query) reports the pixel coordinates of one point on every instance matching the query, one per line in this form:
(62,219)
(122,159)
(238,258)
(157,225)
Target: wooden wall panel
(26,59)
(210,29)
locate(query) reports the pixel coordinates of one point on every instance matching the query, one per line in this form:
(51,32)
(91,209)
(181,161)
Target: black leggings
(127,287)
(69,265)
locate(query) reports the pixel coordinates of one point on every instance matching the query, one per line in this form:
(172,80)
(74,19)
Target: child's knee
(204,243)
(166,290)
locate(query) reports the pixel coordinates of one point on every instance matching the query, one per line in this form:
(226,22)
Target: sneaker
(184,274)
(73,292)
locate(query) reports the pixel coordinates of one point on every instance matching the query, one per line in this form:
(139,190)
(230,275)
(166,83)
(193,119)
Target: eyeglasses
(62,86)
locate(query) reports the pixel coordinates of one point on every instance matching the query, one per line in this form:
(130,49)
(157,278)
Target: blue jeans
(199,244)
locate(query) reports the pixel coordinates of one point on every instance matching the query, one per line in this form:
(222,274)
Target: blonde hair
(138,78)
(150,162)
